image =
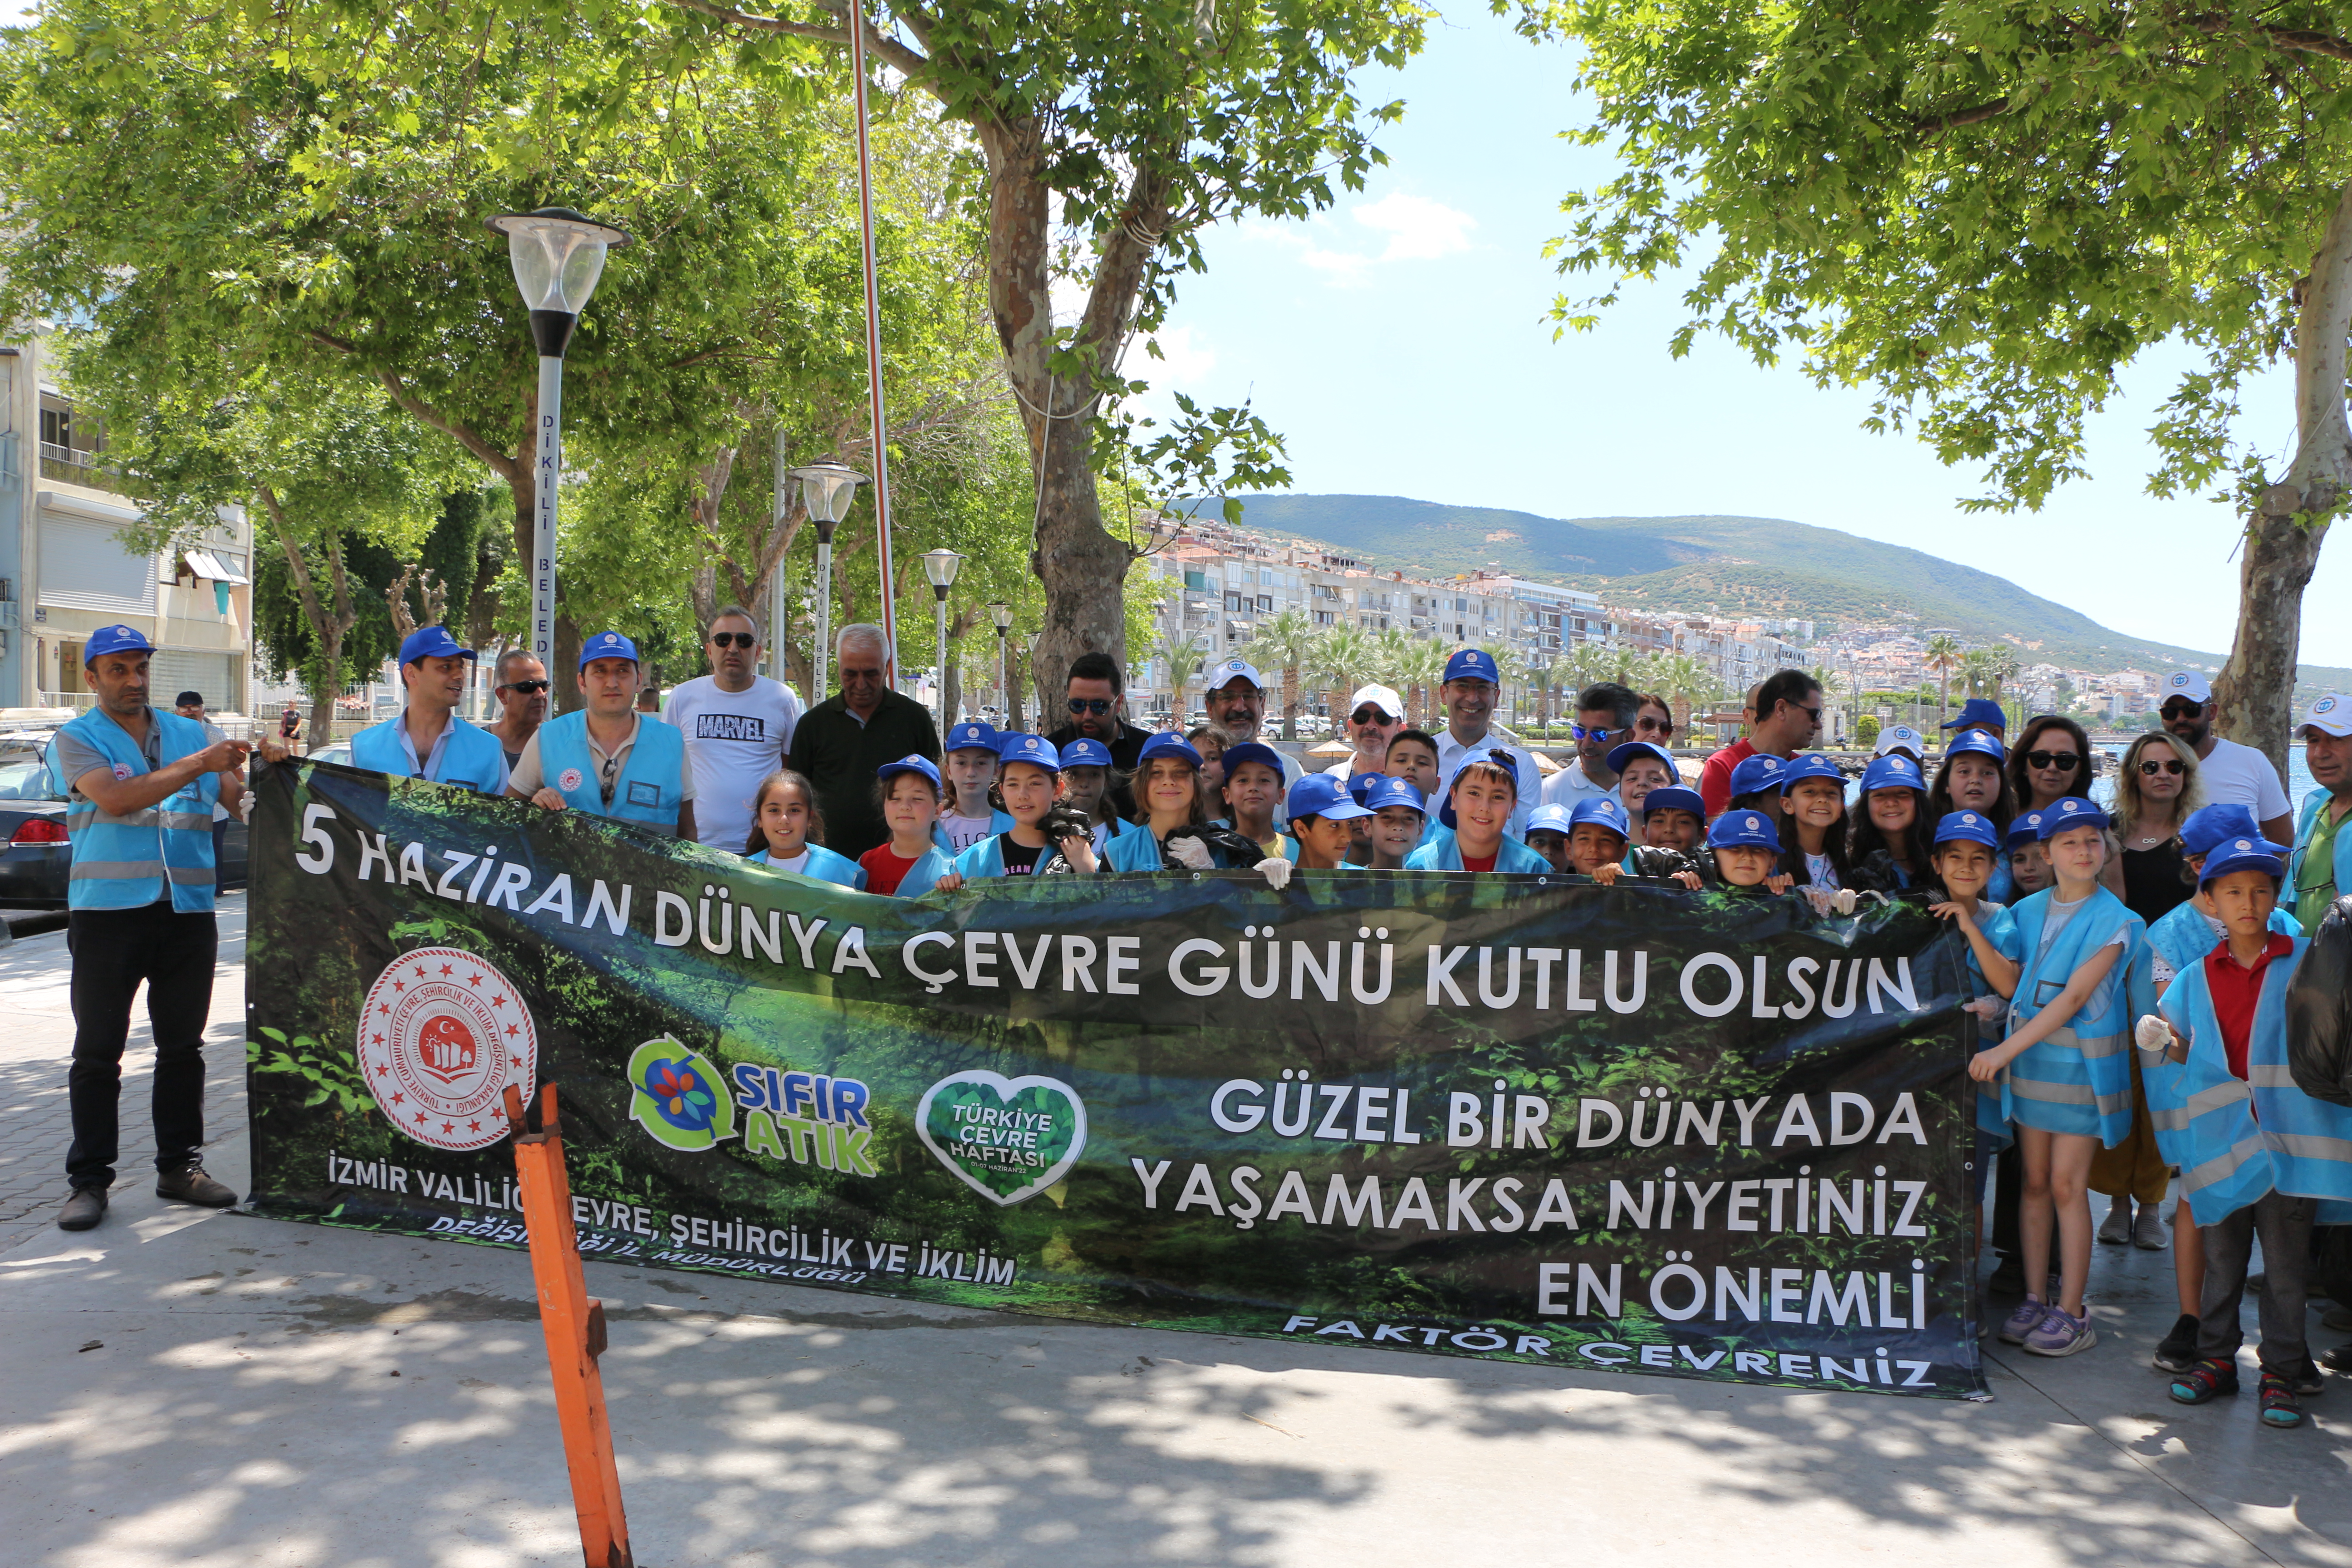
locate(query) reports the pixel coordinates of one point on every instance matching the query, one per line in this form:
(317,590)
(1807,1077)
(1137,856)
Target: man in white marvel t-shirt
(738,728)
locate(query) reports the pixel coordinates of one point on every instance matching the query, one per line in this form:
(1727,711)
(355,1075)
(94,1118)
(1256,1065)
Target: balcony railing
(76,467)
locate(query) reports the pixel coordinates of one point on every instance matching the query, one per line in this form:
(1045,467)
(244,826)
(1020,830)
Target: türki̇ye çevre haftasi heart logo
(1007,1139)
(678,1097)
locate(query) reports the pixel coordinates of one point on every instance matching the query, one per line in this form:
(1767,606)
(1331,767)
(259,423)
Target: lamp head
(826,490)
(1001,613)
(940,565)
(557,256)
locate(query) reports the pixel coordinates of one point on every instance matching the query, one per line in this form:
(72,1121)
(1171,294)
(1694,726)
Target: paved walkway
(213,1391)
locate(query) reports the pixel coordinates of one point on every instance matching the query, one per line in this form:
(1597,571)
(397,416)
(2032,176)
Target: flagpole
(857,13)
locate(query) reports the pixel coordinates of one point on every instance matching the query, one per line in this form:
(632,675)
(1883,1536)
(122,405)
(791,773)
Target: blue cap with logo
(1674,798)
(114,639)
(1473,664)
(1168,743)
(2026,830)
(1252,751)
(1812,765)
(1979,713)
(973,735)
(2072,812)
(1551,819)
(1085,753)
(1620,755)
(1362,785)
(433,642)
(1973,827)
(2209,826)
(1738,830)
(1893,771)
(1320,795)
(2244,855)
(607,644)
(1979,741)
(913,762)
(1760,773)
(1601,811)
(1386,791)
(1036,748)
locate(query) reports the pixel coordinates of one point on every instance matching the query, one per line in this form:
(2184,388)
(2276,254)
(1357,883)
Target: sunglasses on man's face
(2181,708)
(528,688)
(1094,705)
(2054,758)
(2153,767)
(1370,716)
(745,640)
(1597,733)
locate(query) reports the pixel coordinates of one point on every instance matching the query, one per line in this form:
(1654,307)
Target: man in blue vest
(428,740)
(608,759)
(139,788)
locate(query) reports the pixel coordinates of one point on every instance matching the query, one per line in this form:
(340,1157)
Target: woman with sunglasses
(2155,793)
(2052,761)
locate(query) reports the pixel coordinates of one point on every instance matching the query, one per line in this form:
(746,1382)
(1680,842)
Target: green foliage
(1865,730)
(329,1070)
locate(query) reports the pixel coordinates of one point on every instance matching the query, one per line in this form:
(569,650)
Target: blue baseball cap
(2210,826)
(1983,740)
(973,735)
(912,763)
(114,639)
(1979,713)
(1252,751)
(1812,765)
(1386,791)
(1971,825)
(1360,786)
(1034,749)
(1733,829)
(613,645)
(1551,819)
(1320,795)
(1085,753)
(1603,811)
(2026,830)
(434,642)
(1676,798)
(2073,811)
(1620,755)
(1473,664)
(1758,773)
(2244,855)
(1168,743)
(1893,771)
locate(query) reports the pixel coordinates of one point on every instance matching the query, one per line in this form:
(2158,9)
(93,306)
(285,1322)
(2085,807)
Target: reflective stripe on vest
(2088,1053)
(165,849)
(650,788)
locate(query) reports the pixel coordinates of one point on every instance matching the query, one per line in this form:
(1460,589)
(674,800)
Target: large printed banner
(1519,1118)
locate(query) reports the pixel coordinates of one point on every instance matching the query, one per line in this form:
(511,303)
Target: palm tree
(1424,669)
(1343,655)
(1685,682)
(1286,642)
(1944,657)
(1184,659)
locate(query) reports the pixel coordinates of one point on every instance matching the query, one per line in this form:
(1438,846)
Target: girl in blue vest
(1168,796)
(1967,848)
(2065,1079)
(1479,800)
(1812,803)
(1892,840)
(786,826)
(2258,1157)
(909,863)
(1087,781)
(1973,777)
(1029,781)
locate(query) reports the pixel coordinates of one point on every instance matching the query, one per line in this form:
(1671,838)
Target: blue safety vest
(471,758)
(2236,1139)
(1446,854)
(925,873)
(1999,925)
(162,851)
(2313,804)
(2182,936)
(998,822)
(1140,850)
(652,785)
(824,865)
(2078,1081)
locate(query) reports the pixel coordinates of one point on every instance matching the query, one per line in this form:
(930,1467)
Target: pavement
(186,1387)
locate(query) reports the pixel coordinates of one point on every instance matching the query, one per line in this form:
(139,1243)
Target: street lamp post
(940,566)
(826,490)
(1001,613)
(557,256)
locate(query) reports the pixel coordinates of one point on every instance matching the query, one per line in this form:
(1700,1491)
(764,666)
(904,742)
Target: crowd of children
(2065,977)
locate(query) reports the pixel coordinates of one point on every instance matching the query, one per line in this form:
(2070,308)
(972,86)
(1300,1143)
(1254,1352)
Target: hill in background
(1734,566)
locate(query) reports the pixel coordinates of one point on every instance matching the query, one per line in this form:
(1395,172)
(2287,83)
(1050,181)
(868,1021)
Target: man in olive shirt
(838,744)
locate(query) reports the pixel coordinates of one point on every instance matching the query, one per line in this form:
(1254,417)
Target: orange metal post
(574,1326)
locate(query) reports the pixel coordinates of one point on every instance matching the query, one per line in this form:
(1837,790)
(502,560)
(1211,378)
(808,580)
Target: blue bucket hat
(1168,743)
(1983,740)
(434,642)
(2210,826)
(607,644)
(1551,819)
(1472,664)
(1733,829)
(1386,791)
(1252,751)
(912,763)
(114,639)
(1979,713)
(1320,795)
(1760,773)
(1620,755)
(1893,771)
(1973,827)
(1813,765)
(973,735)
(1032,749)
(2244,855)
(1085,753)
(1676,798)
(1603,811)
(2073,811)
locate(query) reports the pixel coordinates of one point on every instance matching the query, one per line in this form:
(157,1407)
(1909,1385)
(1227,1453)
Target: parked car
(35,856)
(339,751)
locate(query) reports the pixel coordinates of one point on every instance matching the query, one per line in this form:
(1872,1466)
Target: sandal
(2279,1406)
(2206,1381)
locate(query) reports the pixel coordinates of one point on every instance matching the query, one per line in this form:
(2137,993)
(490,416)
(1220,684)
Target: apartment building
(64,570)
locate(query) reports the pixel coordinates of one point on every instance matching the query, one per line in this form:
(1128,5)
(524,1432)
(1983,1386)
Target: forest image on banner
(1691,1134)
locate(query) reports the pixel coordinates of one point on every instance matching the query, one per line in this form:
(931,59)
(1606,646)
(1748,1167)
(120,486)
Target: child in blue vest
(1967,848)
(2065,1080)
(786,826)
(909,863)
(2258,1158)
(1029,780)
(1674,818)
(969,772)
(1400,817)
(1323,818)
(1088,783)
(1746,853)
(1479,800)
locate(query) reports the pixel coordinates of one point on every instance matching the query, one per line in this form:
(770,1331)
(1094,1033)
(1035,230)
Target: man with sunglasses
(1604,721)
(840,744)
(1095,695)
(522,692)
(1375,715)
(737,724)
(2233,774)
(1787,716)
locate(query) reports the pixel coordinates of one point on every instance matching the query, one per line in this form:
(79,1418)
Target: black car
(33,855)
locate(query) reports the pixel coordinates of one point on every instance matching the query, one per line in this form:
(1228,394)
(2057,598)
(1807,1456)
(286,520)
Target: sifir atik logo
(678,1097)
(1006,1139)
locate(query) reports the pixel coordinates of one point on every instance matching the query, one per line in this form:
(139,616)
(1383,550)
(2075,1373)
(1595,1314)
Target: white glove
(245,806)
(2152,1033)
(1191,853)
(1277,872)
(1843,903)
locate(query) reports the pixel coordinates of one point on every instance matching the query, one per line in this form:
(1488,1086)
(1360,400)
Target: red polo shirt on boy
(2235,989)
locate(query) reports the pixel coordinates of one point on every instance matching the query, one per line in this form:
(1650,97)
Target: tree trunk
(2255,692)
(1290,702)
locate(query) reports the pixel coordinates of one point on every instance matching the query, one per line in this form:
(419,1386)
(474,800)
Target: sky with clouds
(1399,343)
